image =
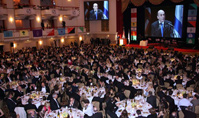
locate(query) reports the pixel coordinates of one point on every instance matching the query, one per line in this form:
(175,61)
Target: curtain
(156,2)
(138,2)
(125,4)
(177,1)
(196,2)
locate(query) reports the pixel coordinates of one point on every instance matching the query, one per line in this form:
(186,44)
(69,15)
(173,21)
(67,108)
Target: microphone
(170,24)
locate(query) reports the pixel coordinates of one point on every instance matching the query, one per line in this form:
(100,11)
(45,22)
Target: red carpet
(159,47)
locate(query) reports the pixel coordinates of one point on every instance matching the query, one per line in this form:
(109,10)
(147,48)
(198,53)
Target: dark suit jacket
(75,104)
(152,116)
(140,117)
(2,94)
(11,105)
(171,103)
(152,101)
(30,106)
(93,15)
(156,30)
(53,104)
(97,115)
(189,114)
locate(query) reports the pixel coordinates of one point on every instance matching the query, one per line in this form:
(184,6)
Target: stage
(161,47)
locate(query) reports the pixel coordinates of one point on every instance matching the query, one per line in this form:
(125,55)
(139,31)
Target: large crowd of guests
(161,71)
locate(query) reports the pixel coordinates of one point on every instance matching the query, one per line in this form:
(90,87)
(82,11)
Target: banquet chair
(178,85)
(126,70)
(192,85)
(181,88)
(197,110)
(52,76)
(94,81)
(181,114)
(190,89)
(166,84)
(116,89)
(127,93)
(80,85)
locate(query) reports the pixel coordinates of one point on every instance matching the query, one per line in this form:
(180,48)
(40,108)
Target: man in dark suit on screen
(162,27)
(96,14)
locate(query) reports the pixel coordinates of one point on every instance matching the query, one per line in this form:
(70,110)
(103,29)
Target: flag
(129,35)
(37,33)
(105,10)
(8,34)
(81,29)
(71,30)
(23,33)
(48,32)
(133,32)
(61,31)
(178,21)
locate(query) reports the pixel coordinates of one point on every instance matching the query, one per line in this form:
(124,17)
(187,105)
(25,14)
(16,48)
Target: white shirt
(184,102)
(43,89)
(21,112)
(89,110)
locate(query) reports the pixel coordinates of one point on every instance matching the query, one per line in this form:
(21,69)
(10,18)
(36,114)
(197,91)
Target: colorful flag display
(81,29)
(48,32)
(71,30)
(134,24)
(105,9)
(178,21)
(61,31)
(8,34)
(191,24)
(23,33)
(37,33)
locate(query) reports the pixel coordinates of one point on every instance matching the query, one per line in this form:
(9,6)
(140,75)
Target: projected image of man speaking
(161,27)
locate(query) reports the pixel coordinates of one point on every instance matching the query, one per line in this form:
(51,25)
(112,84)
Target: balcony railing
(21,6)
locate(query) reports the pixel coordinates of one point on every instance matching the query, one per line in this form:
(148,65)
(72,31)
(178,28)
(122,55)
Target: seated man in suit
(11,104)
(188,113)
(96,14)
(151,100)
(44,88)
(195,101)
(54,104)
(73,103)
(161,27)
(30,108)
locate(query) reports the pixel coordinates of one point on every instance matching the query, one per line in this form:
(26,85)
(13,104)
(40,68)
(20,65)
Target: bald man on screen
(161,27)
(96,14)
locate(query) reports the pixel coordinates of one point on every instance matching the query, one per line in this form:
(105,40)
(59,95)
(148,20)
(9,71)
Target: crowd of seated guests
(121,63)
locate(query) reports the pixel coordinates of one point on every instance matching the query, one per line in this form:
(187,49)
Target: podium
(122,41)
(144,43)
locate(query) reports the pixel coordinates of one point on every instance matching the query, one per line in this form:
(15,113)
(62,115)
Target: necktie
(96,14)
(57,103)
(162,28)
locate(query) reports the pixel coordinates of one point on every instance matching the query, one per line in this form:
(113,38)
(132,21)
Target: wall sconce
(62,40)
(38,19)
(80,38)
(40,42)
(14,45)
(60,18)
(69,0)
(11,19)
